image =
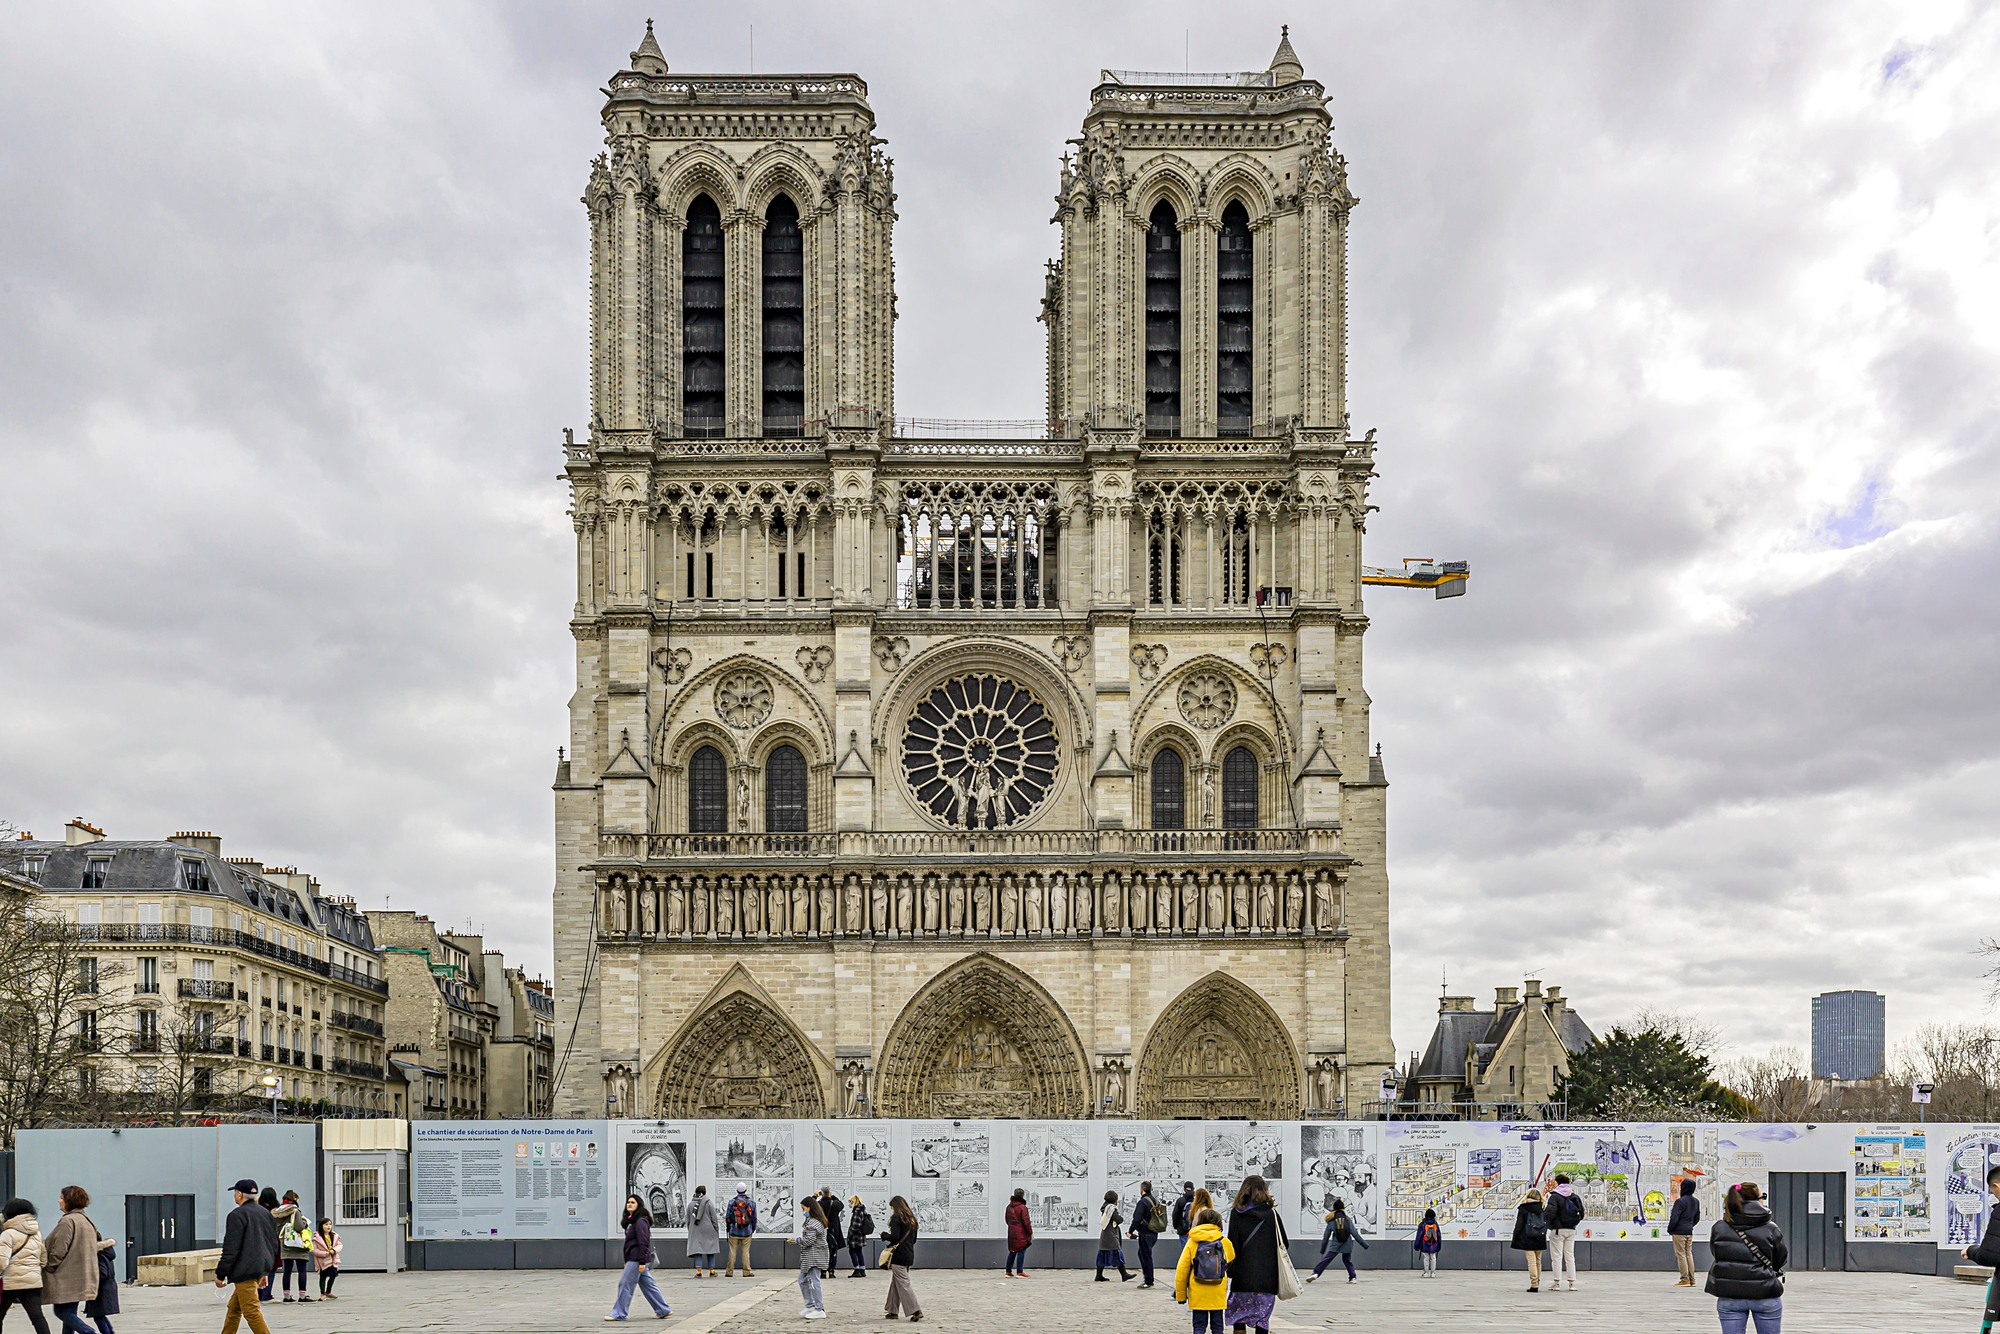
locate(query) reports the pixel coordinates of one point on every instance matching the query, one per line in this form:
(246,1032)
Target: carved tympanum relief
(739,1060)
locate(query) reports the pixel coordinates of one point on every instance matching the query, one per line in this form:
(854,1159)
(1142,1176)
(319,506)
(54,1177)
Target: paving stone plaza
(518,1302)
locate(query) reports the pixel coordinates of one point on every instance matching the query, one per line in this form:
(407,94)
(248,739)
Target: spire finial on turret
(649,59)
(1285,67)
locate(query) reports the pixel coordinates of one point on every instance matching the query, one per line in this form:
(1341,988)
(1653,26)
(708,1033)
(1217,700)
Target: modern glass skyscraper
(1847,1029)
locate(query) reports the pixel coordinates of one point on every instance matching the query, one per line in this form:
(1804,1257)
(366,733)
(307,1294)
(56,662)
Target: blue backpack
(1209,1266)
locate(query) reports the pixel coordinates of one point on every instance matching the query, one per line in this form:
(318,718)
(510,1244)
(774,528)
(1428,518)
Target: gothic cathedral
(946,769)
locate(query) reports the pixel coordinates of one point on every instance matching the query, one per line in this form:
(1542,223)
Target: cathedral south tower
(923,769)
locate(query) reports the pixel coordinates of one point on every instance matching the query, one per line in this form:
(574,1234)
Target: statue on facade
(906,908)
(851,905)
(649,911)
(955,905)
(1080,888)
(1295,901)
(1163,904)
(1033,899)
(1010,906)
(982,904)
(1323,902)
(933,907)
(878,905)
(1216,905)
(676,909)
(1239,901)
(1059,903)
(1114,908)
(1267,902)
(825,921)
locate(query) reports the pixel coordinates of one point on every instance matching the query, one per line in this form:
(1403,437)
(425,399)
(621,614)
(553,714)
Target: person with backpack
(1184,1210)
(22,1255)
(1429,1241)
(899,1252)
(1149,1220)
(1746,1272)
(1564,1211)
(638,1225)
(1531,1235)
(704,1232)
(742,1219)
(295,1244)
(860,1227)
(1680,1226)
(1109,1252)
(1020,1233)
(326,1257)
(1257,1234)
(1338,1239)
(1201,1279)
(69,1276)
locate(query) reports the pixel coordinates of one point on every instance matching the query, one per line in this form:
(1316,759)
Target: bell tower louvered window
(1232,332)
(784,320)
(708,793)
(1169,780)
(701,320)
(1239,789)
(1163,323)
(785,791)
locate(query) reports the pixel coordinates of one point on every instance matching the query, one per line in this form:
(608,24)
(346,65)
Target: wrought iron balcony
(355,1023)
(201,988)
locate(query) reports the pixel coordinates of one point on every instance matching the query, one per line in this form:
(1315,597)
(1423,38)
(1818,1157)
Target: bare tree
(48,982)
(191,1049)
(1695,1033)
(1779,1084)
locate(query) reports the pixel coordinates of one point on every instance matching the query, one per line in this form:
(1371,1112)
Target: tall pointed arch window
(708,793)
(701,320)
(1169,795)
(785,791)
(1239,789)
(1232,317)
(784,320)
(1163,322)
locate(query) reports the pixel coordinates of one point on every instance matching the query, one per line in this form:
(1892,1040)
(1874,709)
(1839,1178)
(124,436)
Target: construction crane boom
(1447,577)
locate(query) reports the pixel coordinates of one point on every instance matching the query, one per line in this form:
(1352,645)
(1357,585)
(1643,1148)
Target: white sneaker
(815,1315)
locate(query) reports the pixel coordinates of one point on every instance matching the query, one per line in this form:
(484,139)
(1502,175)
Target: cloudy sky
(1680,321)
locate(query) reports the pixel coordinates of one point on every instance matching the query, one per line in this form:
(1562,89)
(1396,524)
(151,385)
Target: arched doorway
(739,1059)
(1218,1051)
(982,1039)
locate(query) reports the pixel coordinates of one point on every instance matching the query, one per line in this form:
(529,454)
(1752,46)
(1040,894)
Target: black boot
(1124,1274)
(1100,1275)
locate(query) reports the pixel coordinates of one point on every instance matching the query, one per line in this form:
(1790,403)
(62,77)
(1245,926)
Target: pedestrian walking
(295,1244)
(267,1200)
(1680,1226)
(742,1221)
(1338,1240)
(249,1254)
(1183,1218)
(1020,1233)
(860,1227)
(831,1207)
(638,1224)
(104,1305)
(899,1252)
(1531,1235)
(326,1257)
(1987,1252)
(1428,1242)
(1109,1252)
(704,1232)
(815,1258)
(1564,1211)
(1746,1267)
(1255,1233)
(69,1275)
(1149,1220)
(1201,1279)
(22,1254)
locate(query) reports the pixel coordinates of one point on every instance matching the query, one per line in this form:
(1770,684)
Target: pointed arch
(737,1057)
(1218,1051)
(982,1038)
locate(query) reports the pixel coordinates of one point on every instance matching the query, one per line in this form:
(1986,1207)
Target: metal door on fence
(156,1225)
(1810,1208)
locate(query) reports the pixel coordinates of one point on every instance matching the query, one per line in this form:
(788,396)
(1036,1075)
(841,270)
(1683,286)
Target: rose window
(980,752)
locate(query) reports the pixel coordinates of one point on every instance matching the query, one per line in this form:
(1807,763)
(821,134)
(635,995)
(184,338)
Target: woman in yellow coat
(1201,1280)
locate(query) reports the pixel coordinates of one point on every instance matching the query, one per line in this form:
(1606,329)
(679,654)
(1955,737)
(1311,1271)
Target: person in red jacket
(1020,1233)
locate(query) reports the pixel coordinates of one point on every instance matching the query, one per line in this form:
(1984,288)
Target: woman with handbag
(1746,1275)
(899,1252)
(1257,1235)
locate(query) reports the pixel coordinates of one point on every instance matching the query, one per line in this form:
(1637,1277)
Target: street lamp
(272,1082)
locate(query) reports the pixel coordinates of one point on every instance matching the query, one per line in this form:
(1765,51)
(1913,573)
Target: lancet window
(785,791)
(708,793)
(784,320)
(976,545)
(701,320)
(1169,790)
(1232,333)
(1163,323)
(1239,789)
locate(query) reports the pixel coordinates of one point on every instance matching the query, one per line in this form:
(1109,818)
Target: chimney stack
(1456,1004)
(200,840)
(76,833)
(1534,986)
(1503,997)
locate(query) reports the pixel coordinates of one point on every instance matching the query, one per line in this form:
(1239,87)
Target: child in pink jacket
(326,1257)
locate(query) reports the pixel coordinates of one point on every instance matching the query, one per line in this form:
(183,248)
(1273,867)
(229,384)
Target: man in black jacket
(1680,1226)
(1182,1208)
(249,1252)
(1987,1252)
(831,1206)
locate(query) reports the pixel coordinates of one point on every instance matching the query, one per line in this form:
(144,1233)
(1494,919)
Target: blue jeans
(72,1323)
(1017,1261)
(631,1279)
(1208,1322)
(809,1287)
(1736,1312)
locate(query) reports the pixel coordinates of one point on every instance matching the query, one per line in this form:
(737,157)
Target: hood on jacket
(1687,1185)
(1560,1188)
(1205,1232)
(1754,1214)
(25,1224)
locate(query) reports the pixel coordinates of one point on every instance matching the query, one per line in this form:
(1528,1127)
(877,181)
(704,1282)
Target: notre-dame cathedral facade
(926,768)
